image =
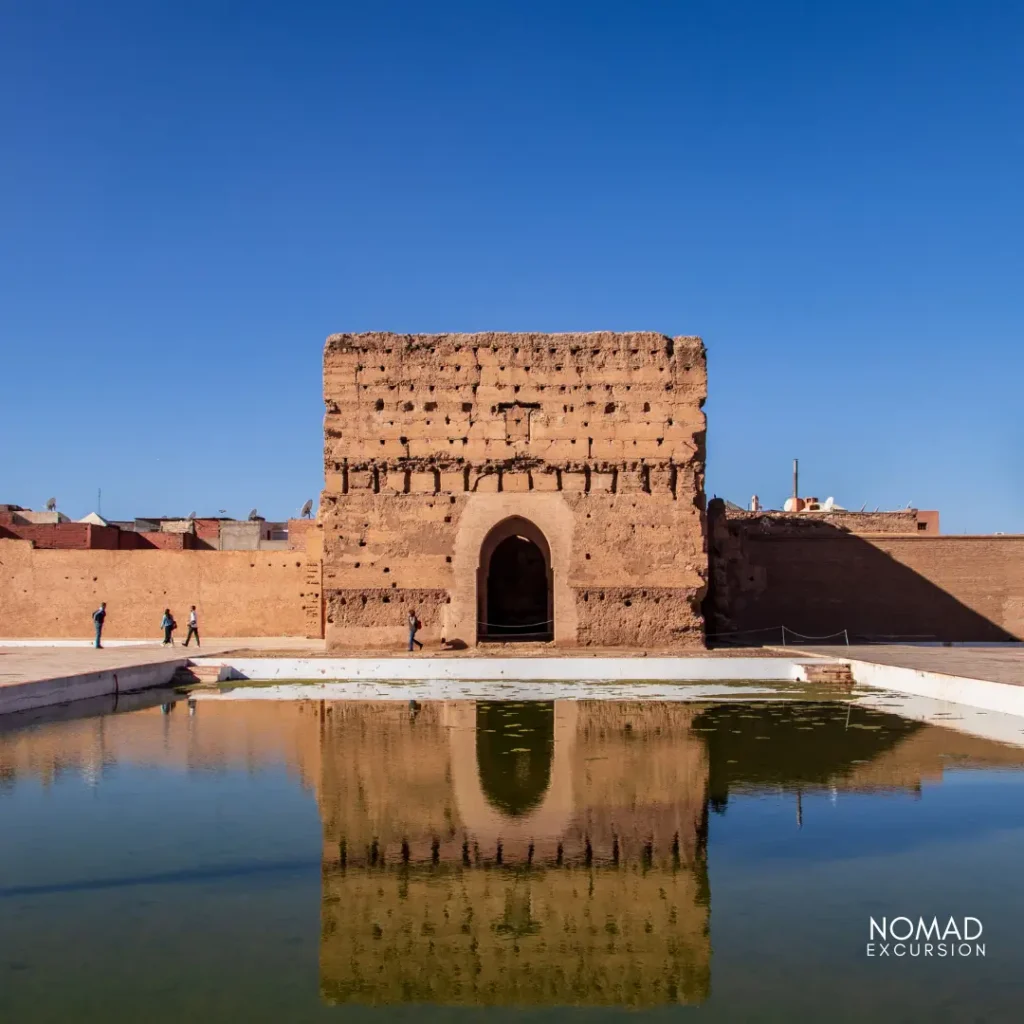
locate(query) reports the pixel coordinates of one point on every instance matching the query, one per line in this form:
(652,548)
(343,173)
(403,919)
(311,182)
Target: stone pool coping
(36,678)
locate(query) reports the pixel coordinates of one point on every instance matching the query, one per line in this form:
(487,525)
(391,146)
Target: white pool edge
(976,693)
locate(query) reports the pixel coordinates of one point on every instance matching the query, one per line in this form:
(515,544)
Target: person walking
(167,624)
(414,625)
(98,618)
(193,627)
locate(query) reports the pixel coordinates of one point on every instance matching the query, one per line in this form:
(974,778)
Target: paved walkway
(996,664)
(31,664)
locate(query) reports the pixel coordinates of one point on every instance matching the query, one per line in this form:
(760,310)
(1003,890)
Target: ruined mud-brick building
(526,486)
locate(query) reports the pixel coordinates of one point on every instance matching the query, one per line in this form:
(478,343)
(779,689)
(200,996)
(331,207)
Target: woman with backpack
(168,625)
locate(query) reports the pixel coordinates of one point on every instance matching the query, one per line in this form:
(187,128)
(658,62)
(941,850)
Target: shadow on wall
(818,580)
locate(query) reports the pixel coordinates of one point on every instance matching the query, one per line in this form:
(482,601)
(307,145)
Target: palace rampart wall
(597,440)
(816,576)
(53,593)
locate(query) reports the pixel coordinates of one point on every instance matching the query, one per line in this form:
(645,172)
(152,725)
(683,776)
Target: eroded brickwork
(434,441)
(878,577)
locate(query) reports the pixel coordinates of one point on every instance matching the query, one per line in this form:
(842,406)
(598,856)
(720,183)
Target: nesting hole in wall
(430,407)
(609,408)
(647,406)
(467,406)
(379,405)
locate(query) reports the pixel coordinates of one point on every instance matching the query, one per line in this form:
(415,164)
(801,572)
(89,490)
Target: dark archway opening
(515,584)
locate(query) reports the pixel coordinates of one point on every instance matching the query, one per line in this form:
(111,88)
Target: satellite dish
(191,515)
(253,515)
(307,510)
(51,504)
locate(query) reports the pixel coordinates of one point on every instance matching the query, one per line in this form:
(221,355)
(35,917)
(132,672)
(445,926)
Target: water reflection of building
(525,853)
(514,854)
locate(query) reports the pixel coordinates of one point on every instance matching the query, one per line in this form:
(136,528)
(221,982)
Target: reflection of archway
(543,823)
(515,583)
(514,744)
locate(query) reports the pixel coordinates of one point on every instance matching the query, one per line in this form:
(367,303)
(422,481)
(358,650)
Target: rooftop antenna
(99,501)
(796,482)
(51,504)
(307,510)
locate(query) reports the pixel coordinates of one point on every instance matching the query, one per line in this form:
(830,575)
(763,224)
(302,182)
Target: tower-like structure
(514,486)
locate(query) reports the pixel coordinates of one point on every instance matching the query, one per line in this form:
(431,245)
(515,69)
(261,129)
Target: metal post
(796,482)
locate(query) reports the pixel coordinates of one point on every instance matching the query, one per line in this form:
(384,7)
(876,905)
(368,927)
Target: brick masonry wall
(817,579)
(47,593)
(57,535)
(433,440)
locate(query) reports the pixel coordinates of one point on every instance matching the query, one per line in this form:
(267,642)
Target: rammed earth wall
(592,443)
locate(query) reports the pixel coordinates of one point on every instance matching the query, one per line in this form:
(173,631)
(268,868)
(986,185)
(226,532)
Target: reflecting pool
(324,860)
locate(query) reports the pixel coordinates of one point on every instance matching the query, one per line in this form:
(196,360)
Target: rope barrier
(517,625)
(803,636)
(744,632)
(783,631)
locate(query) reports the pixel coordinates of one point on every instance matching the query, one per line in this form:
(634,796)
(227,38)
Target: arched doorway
(515,583)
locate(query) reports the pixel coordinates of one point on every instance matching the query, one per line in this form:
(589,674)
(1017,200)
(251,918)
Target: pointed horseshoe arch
(515,583)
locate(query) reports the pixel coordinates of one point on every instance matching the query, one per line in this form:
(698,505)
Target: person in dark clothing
(98,618)
(193,627)
(167,623)
(414,625)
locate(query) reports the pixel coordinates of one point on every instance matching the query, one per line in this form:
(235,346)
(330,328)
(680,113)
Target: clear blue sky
(194,194)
